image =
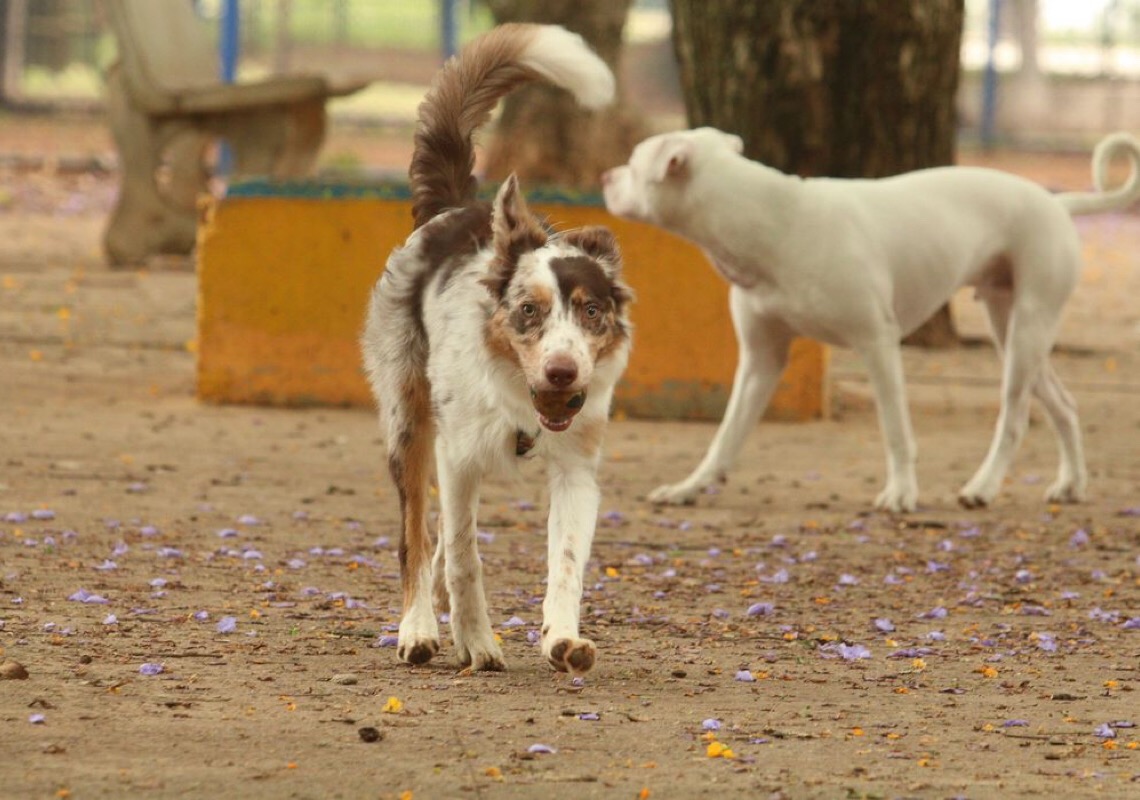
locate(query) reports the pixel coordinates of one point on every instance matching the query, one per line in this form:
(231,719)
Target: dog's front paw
(416,651)
(675,494)
(481,656)
(897,499)
(575,656)
(418,639)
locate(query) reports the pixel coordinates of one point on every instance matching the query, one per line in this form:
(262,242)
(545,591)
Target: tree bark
(840,88)
(542,134)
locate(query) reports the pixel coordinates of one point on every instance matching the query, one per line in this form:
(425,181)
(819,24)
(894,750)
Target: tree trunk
(542,135)
(840,88)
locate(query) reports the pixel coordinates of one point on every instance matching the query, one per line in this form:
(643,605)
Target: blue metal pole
(448,29)
(990,78)
(229,45)
(229,41)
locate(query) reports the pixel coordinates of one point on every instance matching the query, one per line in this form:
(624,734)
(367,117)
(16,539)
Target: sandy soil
(204,597)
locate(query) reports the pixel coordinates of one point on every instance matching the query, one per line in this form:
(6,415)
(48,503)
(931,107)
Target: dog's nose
(561,371)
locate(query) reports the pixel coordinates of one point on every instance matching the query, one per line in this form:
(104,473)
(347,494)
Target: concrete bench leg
(147,220)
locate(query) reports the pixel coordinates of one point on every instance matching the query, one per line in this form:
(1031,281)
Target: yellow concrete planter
(285,270)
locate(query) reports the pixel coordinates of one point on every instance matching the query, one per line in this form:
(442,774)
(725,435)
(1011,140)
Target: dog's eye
(528,309)
(592,311)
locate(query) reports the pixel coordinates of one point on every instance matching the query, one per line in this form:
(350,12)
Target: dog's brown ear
(598,243)
(514,231)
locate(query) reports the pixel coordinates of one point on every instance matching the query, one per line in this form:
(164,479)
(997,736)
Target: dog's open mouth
(556,410)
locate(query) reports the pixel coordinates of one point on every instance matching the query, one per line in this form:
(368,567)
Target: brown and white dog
(490,339)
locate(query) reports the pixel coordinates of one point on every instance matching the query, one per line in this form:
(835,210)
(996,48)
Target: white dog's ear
(672,159)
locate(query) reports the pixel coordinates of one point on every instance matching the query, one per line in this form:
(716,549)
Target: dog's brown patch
(409,462)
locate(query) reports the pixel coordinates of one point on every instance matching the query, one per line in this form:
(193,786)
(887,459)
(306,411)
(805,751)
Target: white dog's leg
(1027,345)
(763,344)
(883,359)
(1072,474)
(574,502)
(470,626)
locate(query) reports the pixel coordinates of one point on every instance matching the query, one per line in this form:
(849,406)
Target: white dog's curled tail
(466,90)
(1105,199)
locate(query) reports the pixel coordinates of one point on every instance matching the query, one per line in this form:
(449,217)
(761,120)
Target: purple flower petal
(514,622)
(884,625)
(589,716)
(760,609)
(1131,624)
(110,619)
(541,748)
(1015,723)
(853,652)
(1105,731)
(43,514)
(151,669)
(248,519)
(226,625)
(938,612)
(745,676)
(37,719)
(711,724)
(387,640)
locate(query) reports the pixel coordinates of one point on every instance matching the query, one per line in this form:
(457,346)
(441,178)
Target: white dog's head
(650,186)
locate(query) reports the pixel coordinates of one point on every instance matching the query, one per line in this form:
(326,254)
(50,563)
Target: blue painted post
(448,29)
(990,78)
(229,45)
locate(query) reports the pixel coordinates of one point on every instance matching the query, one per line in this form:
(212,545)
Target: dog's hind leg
(1072,474)
(574,500)
(410,436)
(883,359)
(1028,339)
(763,343)
(475,644)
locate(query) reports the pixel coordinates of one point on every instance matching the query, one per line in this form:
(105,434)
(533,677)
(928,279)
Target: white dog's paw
(976,494)
(565,654)
(675,494)
(1065,491)
(897,498)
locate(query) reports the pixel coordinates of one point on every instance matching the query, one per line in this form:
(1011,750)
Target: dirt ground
(204,598)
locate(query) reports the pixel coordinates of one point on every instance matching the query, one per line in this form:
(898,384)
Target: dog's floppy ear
(514,231)
(672,159)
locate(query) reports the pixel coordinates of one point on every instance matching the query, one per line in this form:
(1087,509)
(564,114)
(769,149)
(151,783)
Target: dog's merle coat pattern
(491,340)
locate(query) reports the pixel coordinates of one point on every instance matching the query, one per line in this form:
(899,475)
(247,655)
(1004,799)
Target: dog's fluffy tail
(466,90)
(1102,199)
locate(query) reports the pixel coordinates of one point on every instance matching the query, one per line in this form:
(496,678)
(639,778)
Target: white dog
(490,339)
(860,264)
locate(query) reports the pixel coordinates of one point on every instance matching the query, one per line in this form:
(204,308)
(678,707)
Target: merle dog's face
(561,306)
